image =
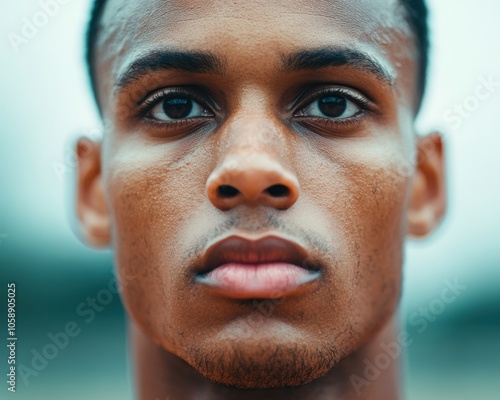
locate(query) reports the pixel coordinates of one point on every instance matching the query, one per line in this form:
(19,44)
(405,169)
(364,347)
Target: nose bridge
(254,134)
(252,166)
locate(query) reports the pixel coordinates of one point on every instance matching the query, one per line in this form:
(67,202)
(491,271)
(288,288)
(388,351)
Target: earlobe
(428,193)
(90,200)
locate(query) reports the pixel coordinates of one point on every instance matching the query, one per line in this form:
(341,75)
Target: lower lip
(258,281)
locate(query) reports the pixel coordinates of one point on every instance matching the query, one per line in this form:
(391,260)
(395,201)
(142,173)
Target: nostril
(227,191)
(278,191)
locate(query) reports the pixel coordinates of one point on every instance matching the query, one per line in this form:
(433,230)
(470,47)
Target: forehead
(250,33)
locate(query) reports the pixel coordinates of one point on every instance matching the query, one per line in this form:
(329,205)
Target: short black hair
(416,16)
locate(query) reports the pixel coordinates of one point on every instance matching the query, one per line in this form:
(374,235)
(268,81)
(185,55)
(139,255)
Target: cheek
(376,218)
(151,195)
(364,190)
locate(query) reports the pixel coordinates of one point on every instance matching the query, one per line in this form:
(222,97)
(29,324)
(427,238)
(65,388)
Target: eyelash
(363,103)
(147,105)
(357,99)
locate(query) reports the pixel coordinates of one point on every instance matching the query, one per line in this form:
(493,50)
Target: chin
(264,365)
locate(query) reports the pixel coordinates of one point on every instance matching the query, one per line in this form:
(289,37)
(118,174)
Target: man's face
(292,125)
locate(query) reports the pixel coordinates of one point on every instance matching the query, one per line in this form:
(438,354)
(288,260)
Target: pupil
(333,106)
(177,108)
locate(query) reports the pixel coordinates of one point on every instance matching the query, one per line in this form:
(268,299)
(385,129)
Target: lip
(266,267)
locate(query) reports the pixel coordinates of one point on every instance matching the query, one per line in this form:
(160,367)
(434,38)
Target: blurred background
(45,103)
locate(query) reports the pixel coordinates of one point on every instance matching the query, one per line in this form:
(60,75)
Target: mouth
(268,267)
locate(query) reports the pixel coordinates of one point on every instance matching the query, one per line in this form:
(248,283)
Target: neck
(372,372)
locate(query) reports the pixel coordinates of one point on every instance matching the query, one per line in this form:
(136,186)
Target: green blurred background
(45,103)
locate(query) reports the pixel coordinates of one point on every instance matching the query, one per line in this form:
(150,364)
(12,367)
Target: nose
(252,179)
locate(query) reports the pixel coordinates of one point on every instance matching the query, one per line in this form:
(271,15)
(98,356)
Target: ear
(428,192)
(90,201)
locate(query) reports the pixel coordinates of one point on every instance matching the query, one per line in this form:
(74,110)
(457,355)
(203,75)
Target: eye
(176,107)
(331,106)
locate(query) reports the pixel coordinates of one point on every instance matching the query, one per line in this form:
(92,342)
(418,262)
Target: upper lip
(247,250)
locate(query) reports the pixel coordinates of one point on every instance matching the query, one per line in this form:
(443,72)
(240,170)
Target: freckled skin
(357,190)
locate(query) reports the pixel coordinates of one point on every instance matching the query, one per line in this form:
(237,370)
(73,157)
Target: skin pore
(290,118)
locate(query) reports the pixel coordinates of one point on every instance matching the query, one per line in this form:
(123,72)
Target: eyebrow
(205,62)
(336,57)
(185,61)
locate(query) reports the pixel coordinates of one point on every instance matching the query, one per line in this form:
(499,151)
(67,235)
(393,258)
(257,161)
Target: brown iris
(177,108)
(332,106)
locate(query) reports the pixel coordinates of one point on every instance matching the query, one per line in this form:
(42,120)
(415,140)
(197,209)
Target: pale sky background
(45,103)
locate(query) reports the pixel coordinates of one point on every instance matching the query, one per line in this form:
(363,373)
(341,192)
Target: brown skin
(356,190)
